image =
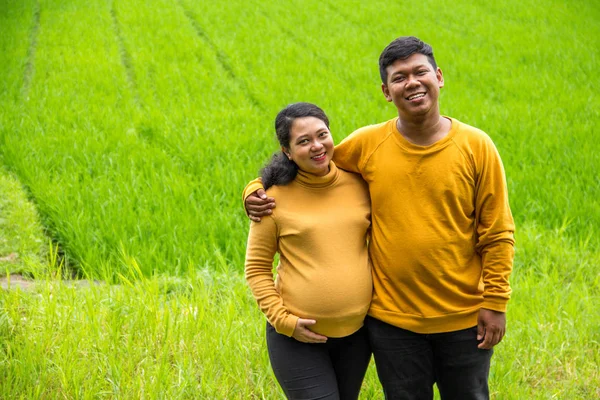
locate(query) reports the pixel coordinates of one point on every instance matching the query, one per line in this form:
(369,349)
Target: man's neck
(424,131)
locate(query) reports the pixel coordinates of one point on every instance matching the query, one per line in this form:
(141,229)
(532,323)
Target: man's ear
(440,78)
(386,92)
(286,152)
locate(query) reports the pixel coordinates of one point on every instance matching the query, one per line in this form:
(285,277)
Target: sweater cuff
(288,325)
(250,188)
(495,304)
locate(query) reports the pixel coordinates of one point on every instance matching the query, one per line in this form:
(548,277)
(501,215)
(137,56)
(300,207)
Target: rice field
(128,129)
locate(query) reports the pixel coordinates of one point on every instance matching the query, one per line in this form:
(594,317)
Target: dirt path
(18,281)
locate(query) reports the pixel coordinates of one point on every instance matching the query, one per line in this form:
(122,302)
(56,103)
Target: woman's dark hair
(281,170)
(400,49)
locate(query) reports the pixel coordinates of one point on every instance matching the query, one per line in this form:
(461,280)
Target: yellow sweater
(442,239)
(442,231)
(319,228)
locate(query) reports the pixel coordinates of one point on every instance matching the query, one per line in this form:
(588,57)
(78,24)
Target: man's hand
(258,205)
(491,326)
(303,334)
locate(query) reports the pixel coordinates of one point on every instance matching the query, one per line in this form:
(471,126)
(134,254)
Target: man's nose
(412,80)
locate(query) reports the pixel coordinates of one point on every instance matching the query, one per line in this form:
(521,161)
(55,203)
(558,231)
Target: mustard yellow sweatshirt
(442,231)
(442,240)
(319,228)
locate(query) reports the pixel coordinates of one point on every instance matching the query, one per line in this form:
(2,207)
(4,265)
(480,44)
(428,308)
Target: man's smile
(416,96)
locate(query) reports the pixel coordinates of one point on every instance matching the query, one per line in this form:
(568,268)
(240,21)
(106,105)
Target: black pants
(408,363)
(332,370)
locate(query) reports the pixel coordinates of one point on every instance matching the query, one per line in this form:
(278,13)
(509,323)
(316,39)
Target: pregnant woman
(316,306)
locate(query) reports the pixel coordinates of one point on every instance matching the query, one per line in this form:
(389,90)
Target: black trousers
(409,363)
(333,370)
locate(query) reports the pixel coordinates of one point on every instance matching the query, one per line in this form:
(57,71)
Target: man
(442,235)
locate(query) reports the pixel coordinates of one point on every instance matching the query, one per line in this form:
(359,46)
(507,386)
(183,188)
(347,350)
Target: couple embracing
(398,242)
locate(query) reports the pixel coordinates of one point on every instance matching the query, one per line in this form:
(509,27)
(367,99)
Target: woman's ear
(286,152)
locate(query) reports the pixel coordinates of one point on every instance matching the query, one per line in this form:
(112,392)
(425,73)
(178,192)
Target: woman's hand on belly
(303,334)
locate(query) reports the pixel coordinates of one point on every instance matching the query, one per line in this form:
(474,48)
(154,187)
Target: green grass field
(128,129)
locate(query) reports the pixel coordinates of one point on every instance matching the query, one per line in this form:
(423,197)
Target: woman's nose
(317,145)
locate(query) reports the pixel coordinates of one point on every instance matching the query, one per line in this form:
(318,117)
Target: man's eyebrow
(418,66)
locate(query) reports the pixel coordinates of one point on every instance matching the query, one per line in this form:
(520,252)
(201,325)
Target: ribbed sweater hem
(421,324)
(338,329)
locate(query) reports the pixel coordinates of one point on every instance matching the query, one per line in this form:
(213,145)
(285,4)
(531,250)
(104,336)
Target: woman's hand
(303,334)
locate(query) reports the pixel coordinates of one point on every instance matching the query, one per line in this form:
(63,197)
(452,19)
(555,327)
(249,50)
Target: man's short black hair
(400,49)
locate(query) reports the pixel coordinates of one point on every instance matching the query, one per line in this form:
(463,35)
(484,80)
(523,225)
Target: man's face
(413,85)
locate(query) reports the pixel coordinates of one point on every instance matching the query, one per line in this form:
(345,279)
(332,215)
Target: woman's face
(311,145)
